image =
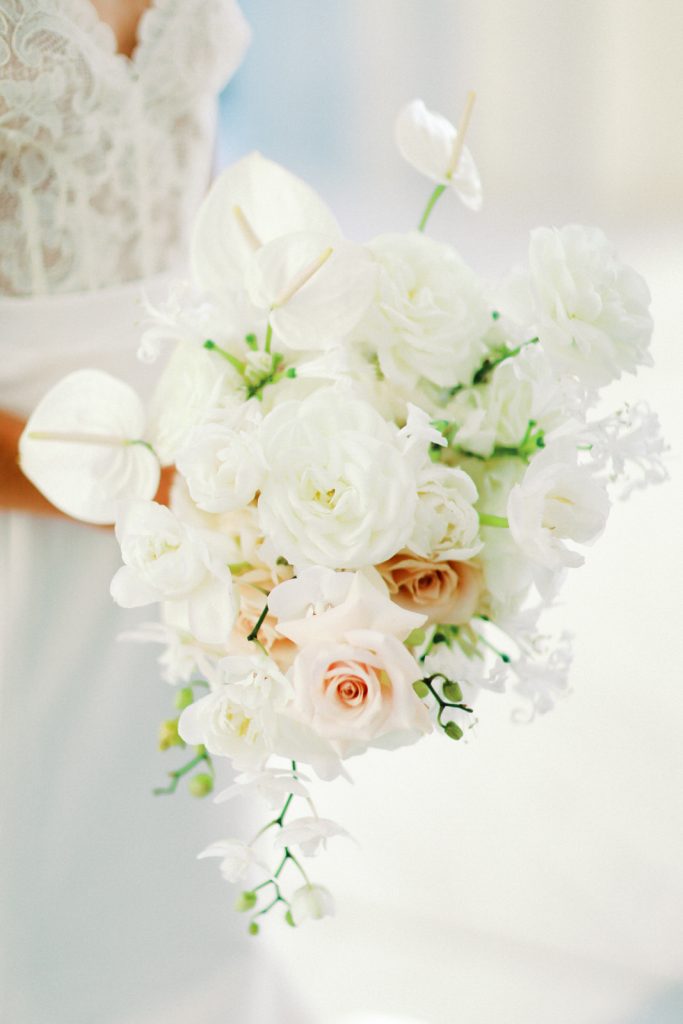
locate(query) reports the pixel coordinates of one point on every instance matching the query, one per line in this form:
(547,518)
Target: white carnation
(446,523)
(222,466)
(337,491)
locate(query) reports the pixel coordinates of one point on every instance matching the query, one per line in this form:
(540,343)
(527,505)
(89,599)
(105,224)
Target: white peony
(556,501)
(427,141)
(168,561)
(337,491)
(446,523)
(431,314)
(592,311)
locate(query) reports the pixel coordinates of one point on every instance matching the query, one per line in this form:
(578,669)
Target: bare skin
(16,492)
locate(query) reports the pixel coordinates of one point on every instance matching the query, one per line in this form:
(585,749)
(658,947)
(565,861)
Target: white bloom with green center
(430,316)
(222,463)
(337,491)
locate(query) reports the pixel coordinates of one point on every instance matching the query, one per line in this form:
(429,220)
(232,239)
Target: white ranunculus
(359,693)
(164,560)
(82,447)
(222,465)
(592,311)
(274,203)
(311,313)
(322,605)
(446,523)
(431,316)
(236,858)
(239,718)
(337,491)
(427,141)
(311,902)
(556,501)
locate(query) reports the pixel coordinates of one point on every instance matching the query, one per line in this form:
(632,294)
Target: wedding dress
(106,917)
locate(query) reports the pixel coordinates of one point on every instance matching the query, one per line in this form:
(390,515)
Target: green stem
(431,203)
(237,364)
(269,336)
(177,775)
(259,623)
(487,520)
(489,365)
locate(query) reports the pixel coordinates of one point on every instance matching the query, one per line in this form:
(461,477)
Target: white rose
(556,501)
(337,491)
(446,523)
(222,466)
(360,693)
(167,560)
(431,314)
(592,310)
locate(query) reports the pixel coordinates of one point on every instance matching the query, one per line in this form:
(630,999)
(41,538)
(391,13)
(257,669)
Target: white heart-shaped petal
(316,296)
(101,464)
(270,202)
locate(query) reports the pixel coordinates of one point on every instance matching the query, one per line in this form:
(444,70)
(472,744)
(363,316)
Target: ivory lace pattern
(104,158)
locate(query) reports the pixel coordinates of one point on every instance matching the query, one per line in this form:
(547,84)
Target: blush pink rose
(447,592)
(360,693)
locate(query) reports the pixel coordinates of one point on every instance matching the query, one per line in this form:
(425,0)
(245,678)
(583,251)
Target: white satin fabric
(106,917)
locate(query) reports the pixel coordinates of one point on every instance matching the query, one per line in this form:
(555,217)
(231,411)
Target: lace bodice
(104,158)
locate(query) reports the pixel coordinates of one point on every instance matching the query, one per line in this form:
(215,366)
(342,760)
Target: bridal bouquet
(385,467)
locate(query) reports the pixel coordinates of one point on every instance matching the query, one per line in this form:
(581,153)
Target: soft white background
(535,874)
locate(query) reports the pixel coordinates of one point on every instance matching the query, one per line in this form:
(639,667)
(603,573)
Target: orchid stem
(431,203)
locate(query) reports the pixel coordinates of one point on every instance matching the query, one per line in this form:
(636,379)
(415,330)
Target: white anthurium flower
(222,462)
(309,834)
(311,902)
(431,315)
(237,858)
(337,491)
(322,605)
(446,522)
(556,501)
(84,447)
(271,785)
(428,142)
(592,311)
(316,287)
(251,203)
(165,560)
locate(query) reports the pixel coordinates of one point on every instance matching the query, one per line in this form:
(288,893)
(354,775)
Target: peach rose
(252,587)
(447,592)
(360,693)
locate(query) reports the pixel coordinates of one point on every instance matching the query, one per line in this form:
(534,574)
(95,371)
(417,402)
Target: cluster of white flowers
(384,467)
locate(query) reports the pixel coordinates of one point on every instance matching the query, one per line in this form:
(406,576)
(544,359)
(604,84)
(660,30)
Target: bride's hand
(18,494)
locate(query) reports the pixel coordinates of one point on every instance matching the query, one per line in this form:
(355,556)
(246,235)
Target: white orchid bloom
(311,902)
(272,785)
(83,447)
(251,203)
(310,834)
(236,858)
(428,142)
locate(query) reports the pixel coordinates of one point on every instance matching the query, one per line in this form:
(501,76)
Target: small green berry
(289,919)
(168,734)
(183,698)
(421,688)
(245,901)
(453,731)
(200,785)
(452,691)
(253,928)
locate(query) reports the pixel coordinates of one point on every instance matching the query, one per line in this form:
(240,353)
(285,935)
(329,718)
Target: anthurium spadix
(315,289)
(429,142)
(84,449)
(251,203)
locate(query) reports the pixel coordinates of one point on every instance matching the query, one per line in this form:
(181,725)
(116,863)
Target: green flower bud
(253,928)
(453,731)
(200,785)
(421,688)
(245,901)
(416,638)
(289,919)
(168,734)
(452,691)
(184,698)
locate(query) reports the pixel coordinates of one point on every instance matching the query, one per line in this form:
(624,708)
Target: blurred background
(535,873)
